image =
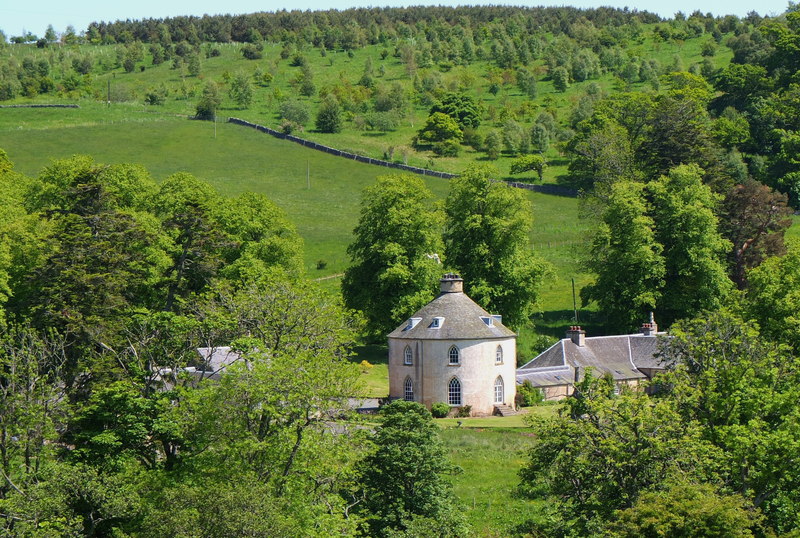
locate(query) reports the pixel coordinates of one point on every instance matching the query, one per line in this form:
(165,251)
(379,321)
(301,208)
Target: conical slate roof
(460,318)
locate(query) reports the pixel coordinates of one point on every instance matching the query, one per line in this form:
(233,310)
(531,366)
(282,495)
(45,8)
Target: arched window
(499,392)
(498,355)
(407,356)
(454,392)
(453,355)
(408,390)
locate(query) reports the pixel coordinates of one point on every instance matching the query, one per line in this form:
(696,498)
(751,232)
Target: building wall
(431,372)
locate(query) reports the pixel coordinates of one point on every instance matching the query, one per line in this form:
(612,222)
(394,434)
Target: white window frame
(498,355)
(408,356)
(453,356)
(499,390)
(408,390)
(454,392)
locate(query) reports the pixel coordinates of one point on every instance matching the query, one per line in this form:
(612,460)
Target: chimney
(577,335)
(452,283)
(651,327)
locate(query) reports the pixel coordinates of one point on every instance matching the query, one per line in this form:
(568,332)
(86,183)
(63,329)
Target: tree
(755,219)
(772,297)
(526,83)
(527,163)
(50,34)
(515,139)
(601,155)
(442,132)
(461,107)
(741,390)
(626,258)
(394,270)
(603,453)
(241,91)
(186,208)
(560,77)
(403,478)
(209,102)
(486,240)
(493,145)
(693,248)
(687,510)
(329,116)
(294,111)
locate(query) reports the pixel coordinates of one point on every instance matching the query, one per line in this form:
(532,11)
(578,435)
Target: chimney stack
(577,335)
(451,283)
(651,327)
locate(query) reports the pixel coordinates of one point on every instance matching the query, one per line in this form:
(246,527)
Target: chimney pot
(451,283)
(577,335)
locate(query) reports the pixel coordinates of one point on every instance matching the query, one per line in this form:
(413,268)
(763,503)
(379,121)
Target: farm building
(455,352)
(629,359)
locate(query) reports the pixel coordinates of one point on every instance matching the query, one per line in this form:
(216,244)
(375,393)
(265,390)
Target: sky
(16,16)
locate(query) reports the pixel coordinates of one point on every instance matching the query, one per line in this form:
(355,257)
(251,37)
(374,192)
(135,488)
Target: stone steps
(504,410)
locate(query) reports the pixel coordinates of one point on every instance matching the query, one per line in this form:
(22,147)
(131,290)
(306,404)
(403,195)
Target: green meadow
(319,192)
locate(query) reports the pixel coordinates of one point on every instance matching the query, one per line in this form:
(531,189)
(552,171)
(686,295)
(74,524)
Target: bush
(440,410)
(252,52)
(528,395)
(464,411)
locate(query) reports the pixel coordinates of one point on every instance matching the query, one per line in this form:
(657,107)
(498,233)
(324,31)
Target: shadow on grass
(556,322)
(373,353)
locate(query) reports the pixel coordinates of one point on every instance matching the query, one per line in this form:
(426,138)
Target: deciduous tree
(486,240)
(395,263)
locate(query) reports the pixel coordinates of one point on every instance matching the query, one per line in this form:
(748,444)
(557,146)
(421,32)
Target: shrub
(252,52)
(440,410)
(321,264)
(464,411)
(528,395)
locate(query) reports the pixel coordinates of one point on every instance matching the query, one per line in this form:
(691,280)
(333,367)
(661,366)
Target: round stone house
(455,352)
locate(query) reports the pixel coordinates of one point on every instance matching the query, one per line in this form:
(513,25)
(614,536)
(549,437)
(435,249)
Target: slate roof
(462,320)
(620,356)
(213,360)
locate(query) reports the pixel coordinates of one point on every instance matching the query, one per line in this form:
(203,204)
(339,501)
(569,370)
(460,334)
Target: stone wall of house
(477,371)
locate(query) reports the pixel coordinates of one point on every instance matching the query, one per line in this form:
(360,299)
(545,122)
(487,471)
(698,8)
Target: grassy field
(490,460)
(337,68)
(319,192)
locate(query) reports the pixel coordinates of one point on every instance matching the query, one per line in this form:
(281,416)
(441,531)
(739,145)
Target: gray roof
(620,356)
(215,359)
(462,319)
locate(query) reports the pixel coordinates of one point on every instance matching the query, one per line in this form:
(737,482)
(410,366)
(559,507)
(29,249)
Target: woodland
(675,140)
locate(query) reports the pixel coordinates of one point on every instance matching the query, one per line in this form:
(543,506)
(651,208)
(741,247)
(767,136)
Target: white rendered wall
(431,371)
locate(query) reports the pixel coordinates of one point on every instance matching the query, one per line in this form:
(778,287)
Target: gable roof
(619,356)
(462,319)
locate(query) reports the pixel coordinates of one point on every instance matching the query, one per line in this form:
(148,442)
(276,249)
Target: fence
(546,189)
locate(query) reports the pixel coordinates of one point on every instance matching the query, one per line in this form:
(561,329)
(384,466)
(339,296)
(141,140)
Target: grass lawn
(514,421)
(376,378)
(490,460)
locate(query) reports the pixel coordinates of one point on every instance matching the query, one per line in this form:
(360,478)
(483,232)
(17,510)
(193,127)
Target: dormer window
(407,356)
(412,322)
(437,322)
(453,355)
(488,320)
